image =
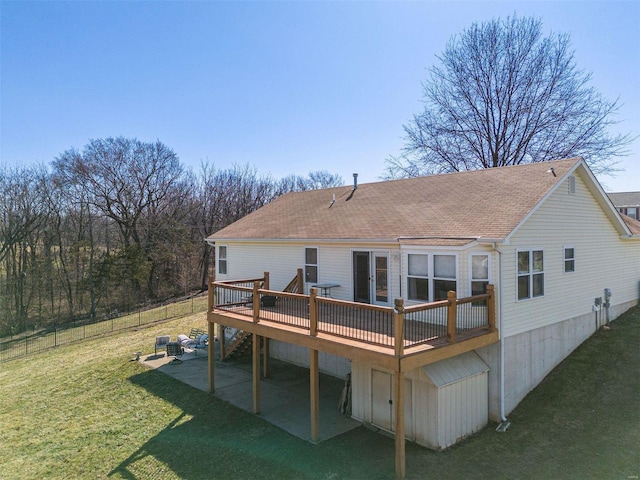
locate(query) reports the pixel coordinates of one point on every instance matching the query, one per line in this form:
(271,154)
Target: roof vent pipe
(355,181)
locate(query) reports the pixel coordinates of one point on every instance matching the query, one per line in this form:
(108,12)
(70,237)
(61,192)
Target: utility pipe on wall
(505,423)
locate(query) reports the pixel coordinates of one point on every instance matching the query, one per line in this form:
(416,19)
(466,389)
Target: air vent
(572,184)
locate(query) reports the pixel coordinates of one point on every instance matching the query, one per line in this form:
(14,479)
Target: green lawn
(87,411)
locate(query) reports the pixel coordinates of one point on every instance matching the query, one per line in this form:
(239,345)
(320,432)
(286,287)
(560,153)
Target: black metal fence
(12,348)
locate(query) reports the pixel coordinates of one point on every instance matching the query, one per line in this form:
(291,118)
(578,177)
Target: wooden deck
(382,336)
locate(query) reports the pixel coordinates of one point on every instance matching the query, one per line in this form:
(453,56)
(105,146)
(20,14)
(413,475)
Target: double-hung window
(444,276)
(222,260)
(430,276)
(418,277)
(530,274)
(479,274)
(569,259)
(311,265)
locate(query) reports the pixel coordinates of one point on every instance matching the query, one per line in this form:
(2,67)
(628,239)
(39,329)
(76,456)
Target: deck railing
(399,328)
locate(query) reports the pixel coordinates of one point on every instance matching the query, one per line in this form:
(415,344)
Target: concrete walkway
(284,396)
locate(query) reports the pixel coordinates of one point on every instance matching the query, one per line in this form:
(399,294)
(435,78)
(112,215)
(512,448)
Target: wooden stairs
(241,341)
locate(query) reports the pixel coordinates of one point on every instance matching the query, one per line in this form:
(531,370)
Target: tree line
(116,226)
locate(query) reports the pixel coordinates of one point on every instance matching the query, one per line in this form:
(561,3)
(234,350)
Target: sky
(284,87)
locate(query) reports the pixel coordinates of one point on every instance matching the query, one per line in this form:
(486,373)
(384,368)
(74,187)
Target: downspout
(504,425)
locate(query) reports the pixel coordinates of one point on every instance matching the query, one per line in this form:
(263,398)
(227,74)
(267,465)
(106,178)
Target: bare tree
(503,95)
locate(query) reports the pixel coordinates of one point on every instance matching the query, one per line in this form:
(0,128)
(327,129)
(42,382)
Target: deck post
(313,312)
(491,307)
(398,327)
(300,281)
(314,381)
(265,355)
(256,373)
(211,357)
(256,302)
(452,311)
(266,281)
(398,388)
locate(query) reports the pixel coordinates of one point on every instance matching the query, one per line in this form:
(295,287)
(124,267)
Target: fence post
(256,302)
(452,311)
(398,327)
(491,307)
(313,312)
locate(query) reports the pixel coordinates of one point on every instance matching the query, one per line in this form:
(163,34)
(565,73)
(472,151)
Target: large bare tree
(504,94)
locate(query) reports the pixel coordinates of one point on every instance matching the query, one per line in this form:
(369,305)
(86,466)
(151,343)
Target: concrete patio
(284,394)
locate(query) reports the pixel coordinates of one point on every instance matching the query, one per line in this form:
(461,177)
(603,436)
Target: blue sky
(287,87)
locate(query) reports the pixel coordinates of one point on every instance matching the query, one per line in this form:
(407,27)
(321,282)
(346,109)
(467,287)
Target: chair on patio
(196,340)
(161,342)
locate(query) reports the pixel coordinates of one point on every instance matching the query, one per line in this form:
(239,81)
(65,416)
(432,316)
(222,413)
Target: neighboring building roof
(632,224)
(625,199)
(461,207)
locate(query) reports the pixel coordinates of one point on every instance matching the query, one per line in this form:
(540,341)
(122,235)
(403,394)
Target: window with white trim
(569,259)
(222,260)
(430,276)
(444,276)
(479,274)
(530,274)
(418,277)
(311,265)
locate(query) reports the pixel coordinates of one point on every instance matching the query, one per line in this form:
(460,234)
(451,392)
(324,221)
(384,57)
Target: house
(627,203)
(447,298)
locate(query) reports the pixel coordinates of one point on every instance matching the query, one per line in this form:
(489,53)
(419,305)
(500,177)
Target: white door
(382,411)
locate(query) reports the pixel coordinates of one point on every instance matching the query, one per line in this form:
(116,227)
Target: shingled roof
(486,203)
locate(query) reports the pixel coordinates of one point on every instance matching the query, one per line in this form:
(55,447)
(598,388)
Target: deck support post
(314,395)
(398,388)
(211,360)
(256,373)
(221,339)
(452,311)
(265,355)
(491,307)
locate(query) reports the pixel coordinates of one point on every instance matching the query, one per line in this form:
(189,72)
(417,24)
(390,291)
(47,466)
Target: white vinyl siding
(252,259)
(605,261)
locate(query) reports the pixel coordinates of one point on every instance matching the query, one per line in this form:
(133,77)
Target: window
(530,274)
(311,265)
(479,274)
(569,259)
(430,277)
(222,260)
(418,277)
(633,212)
(444,275)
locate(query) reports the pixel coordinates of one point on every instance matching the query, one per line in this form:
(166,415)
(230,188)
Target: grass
(86,411)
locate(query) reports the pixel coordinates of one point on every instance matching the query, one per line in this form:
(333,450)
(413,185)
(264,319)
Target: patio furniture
(196,340)
(161,342)
(174,349)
